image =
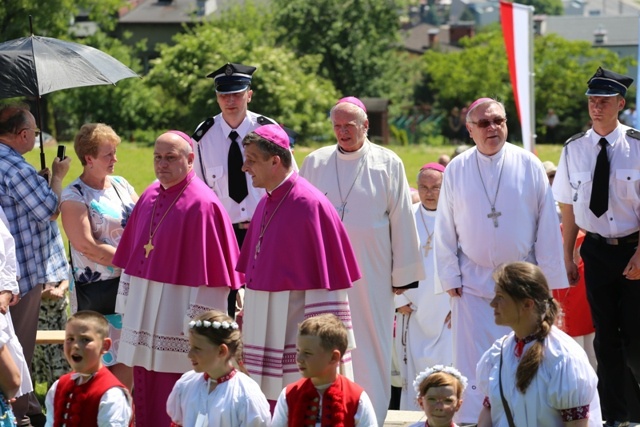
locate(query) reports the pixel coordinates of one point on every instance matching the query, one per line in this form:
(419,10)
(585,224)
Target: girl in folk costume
(439,392)
(537,375)
(214,393)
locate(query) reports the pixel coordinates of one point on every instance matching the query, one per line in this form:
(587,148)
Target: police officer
(218,149)
(598,185)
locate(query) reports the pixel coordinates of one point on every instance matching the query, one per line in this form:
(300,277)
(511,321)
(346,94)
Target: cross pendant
(255,256)
(427,247)
(494,216)
(148,248)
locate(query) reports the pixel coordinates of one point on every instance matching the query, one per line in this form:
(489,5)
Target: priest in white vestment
(495,207)
(423,328)
(368,186)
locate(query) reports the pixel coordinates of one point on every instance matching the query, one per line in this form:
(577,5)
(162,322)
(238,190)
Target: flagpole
(532,95)
(636,124)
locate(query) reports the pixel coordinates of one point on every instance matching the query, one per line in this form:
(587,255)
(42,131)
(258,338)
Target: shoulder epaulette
(633,133)
(574,137)
(202,129)
(265,121)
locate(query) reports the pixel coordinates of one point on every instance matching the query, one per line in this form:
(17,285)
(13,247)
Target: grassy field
(136,165)
(135,160)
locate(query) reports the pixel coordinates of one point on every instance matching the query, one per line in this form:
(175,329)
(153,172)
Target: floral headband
(215,324)
(439,368)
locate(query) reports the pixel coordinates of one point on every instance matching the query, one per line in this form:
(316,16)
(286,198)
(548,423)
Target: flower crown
(215,324)
(439,368)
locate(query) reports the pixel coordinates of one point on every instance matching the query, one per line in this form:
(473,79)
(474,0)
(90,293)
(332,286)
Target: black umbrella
(35,66)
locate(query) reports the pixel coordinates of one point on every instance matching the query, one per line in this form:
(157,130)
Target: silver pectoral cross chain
(494,216)
(342,209)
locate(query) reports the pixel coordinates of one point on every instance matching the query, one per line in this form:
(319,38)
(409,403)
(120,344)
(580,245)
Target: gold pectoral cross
(148,248)
(427,247)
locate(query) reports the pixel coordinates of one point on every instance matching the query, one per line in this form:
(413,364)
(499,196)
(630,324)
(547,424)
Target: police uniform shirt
(573,181)
(214,149)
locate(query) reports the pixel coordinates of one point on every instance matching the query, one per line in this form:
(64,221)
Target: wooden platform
(50,337)
(403,418)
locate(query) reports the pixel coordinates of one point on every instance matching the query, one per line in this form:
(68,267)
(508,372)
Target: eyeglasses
(484,123)
(36,131)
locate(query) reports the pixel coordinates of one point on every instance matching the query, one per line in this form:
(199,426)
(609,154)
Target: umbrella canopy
(35,66)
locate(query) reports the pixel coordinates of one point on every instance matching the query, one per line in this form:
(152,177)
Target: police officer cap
(232,78)
(608,83)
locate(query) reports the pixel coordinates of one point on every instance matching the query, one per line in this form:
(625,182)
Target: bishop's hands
(455,292)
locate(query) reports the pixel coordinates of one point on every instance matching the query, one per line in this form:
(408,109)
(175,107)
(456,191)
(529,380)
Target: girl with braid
(537,375)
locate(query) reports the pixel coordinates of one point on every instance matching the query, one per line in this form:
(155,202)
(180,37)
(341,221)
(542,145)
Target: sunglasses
(484,123)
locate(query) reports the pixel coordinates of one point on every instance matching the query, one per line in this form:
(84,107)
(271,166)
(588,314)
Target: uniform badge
(228,70)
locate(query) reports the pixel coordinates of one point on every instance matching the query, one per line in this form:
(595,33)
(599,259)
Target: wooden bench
(403,418)
(50,337)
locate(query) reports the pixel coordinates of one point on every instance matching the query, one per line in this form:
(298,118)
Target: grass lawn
(136,165)
(135,160)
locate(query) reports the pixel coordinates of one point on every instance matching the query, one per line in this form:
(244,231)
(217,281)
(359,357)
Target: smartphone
(61,152)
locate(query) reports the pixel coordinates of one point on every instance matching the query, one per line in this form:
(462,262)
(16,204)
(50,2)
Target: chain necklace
(343,201)
(149,246)
(263,226)
(427,246)
(493,214)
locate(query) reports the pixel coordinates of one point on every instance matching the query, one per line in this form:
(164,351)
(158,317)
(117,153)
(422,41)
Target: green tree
(128,106)
(286,86)
(545,7)
(356,40)
(561,69)
(52,17)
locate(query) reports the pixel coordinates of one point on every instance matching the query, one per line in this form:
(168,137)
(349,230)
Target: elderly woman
(537,374)
(95,208)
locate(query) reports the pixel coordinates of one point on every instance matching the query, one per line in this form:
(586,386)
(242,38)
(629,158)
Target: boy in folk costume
(322,397)
(90,395)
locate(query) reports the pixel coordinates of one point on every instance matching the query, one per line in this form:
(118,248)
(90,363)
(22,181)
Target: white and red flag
(517,28)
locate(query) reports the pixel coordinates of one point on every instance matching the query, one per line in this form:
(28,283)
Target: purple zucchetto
(182,135)
(353,100)
(275,134)
(434,166)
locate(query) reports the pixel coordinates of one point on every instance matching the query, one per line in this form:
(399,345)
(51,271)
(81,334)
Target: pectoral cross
(255,256)
(494,216)
(342,210)
(148,248)
(427,247)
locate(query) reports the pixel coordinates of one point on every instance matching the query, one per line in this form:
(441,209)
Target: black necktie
(237,179)
(599,202)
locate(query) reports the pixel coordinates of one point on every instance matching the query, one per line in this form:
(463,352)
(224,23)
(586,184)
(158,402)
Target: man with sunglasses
(598,186)
(495,207)
(31,206)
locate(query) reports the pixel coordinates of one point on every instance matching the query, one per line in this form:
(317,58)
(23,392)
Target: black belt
(631,239)
(241,225)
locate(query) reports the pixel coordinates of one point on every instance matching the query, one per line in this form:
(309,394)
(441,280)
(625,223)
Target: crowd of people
(239,290)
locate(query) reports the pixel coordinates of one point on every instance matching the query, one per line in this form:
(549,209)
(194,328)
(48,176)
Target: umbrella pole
(43,162)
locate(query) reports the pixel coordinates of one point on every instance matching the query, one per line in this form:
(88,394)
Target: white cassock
(565,380)
(469,246)
(381,227)
(422,337)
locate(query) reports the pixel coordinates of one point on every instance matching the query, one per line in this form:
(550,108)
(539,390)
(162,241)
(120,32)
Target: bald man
(178,252)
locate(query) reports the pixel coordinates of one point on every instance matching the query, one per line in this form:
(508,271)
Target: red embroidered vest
(77,405)
(339,403)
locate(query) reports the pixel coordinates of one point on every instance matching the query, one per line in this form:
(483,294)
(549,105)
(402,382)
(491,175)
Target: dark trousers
(614,303)
(25,316)
(231,299)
